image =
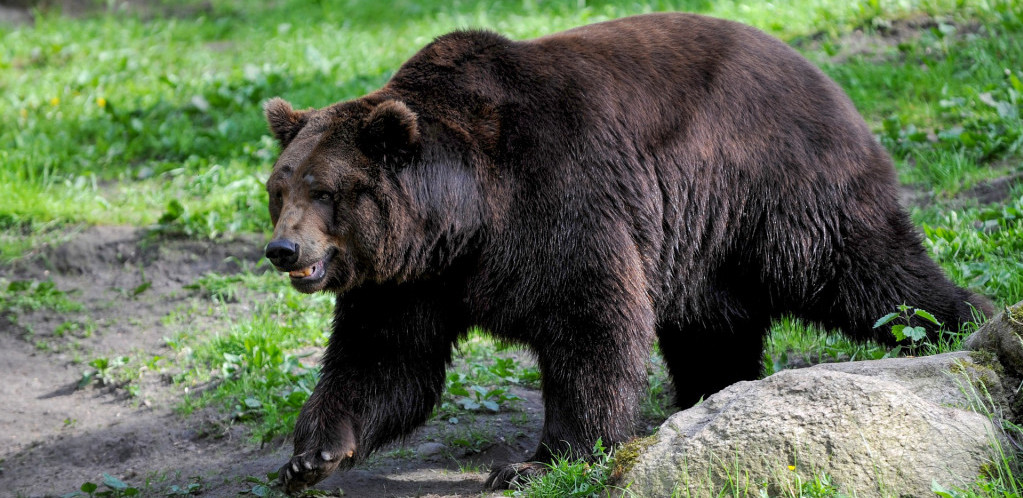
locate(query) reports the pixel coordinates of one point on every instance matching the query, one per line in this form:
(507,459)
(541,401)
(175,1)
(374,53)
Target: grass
(255,365)
(575,478)
(156,122)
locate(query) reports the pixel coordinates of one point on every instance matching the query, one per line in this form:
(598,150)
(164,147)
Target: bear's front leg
(382,374)
(324,439)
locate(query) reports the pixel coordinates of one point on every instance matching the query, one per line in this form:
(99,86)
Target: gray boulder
(875,428)
(1001,336)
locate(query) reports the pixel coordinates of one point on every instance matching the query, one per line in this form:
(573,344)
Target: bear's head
(373,190)
(339,196)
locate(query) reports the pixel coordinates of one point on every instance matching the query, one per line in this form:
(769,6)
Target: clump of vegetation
(104,371)
(260,378)
(483,384)
(114,488)
(576,478)
(31,295)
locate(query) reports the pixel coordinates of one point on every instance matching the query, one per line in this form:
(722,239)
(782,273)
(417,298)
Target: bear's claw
(305,470)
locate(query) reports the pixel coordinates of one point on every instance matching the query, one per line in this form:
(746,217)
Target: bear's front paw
(514,474)
(308,468)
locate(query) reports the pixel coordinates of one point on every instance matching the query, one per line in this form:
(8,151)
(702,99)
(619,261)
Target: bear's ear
(284,121)
(390,133)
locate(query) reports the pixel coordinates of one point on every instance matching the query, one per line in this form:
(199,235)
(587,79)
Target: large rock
(877,428)
(1002,336)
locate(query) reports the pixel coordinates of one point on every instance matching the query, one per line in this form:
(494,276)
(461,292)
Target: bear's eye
(321,196)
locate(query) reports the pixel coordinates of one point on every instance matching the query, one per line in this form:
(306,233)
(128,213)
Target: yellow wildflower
(102,102)
(792,468)
(54,101)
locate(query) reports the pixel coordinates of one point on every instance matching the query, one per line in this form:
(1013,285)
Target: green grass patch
(255,367)
(32,295)
(979,246)
(117,119)
(794,342)
(576,478)
(485,371)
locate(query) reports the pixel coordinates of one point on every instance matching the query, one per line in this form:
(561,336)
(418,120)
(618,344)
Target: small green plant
(103,371)
(267,487)
(657,403)
(226,288)
(796,342)
(482,384)
(263,486)
(819,487)
(576,478)
(115,488)
(75,328)
(193,488)
(916,334)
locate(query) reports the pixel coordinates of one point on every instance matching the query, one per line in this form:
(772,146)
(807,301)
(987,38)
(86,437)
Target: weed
(473,397)
(791,336)
(115,488)
(480,386)
(30,295)
(978,246)
(193,488)
(75,328)
(104,371)
(403,452)
(906,330)
(819,485)
(226,287)
(268,487)
(263,486)
(261,380)
(657,403)
(470,438)
(577,478)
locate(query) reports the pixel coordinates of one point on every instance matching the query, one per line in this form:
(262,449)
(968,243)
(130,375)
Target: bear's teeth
(305,272)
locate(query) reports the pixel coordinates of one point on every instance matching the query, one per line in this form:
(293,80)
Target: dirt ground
(58,436)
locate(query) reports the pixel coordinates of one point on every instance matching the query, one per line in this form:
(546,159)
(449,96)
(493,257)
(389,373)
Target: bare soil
(58,436)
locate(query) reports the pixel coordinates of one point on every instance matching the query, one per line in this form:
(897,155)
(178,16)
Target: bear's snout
(283,253)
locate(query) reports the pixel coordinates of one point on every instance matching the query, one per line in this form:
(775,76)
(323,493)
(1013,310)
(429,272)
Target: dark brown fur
(669,177)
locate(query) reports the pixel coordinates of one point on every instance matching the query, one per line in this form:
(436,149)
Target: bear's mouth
(312,273)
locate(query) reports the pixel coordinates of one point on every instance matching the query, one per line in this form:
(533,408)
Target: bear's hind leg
(705,357)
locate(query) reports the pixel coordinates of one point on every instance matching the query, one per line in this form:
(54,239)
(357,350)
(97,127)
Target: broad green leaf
(885,319)
(114,482)
(915,334)
(927,316)
(897,332)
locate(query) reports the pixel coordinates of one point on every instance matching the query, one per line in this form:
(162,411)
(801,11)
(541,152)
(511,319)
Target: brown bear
(666,176)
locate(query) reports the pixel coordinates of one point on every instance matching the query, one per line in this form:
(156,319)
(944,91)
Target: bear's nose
(282,252)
